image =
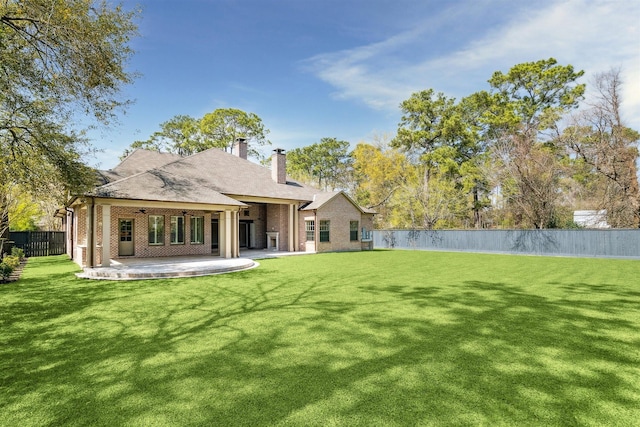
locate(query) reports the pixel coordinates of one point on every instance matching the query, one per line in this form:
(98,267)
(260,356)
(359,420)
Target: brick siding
(141,238)
(278,220)
(265,217)
(340,212)
(257,214)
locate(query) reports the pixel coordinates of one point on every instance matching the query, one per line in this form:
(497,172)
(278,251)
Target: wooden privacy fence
(610,243)
(39,243)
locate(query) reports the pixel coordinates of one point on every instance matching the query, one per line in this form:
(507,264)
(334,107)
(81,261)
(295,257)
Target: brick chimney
(240,147)
(279,166)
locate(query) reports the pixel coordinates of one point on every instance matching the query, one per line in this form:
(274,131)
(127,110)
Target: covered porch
(104,230)
(178,266)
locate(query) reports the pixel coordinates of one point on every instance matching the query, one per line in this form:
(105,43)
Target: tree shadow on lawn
(220,353)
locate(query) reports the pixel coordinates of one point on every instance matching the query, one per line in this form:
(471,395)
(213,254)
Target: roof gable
(159,185)
(212,176)
(231,175)
(321,199)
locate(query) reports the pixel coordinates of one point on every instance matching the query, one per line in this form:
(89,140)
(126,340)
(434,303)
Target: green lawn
(382,338)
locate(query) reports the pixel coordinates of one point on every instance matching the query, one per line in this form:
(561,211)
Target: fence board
(39,243)
(584,242)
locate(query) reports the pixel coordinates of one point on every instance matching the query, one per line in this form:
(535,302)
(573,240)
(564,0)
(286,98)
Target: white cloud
(591,35)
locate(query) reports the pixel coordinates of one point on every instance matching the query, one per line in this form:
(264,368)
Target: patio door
(215,232)
(243,234)
(247,234)
(125,240)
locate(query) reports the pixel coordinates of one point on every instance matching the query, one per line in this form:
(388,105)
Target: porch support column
(222,239)
(296,224)
(235,233)
(106,235)
(293,228)
(91,235)
(227,251)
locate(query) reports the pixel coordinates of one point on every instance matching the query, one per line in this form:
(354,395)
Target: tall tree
(530,179)
(602,141)
(24,210)
(429,120)
(445,137)
(180,135)
(223,126)
(528,103)
(326,163)
(185,135)
(380,176)
(58,60)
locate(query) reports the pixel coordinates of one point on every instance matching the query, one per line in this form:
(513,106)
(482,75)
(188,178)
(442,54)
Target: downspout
(296,227)
(237,232)
(316,230)
(71,230)
(90,232)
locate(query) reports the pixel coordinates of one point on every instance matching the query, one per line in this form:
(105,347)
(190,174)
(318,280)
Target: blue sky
(340,68)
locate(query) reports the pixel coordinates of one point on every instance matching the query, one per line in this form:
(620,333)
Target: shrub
(11,261)
(5,269)
(18,252)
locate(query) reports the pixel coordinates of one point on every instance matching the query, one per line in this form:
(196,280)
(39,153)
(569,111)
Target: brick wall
(278,220)
(257,214)
(81,237)
(99,241)
(81,224)
(141,238)
(303,245)
(340,212)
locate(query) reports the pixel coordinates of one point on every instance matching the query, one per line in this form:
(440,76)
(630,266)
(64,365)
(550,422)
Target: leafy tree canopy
(533,96)
(326,163)
(185,135)
(59,59)
(222,127)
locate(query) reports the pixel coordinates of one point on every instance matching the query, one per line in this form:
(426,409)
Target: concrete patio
(181,266)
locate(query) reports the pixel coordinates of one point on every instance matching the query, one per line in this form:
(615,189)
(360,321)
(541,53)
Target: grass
(385,338)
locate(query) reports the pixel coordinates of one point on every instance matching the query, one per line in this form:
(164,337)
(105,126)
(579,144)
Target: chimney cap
(241,139)
(279,150)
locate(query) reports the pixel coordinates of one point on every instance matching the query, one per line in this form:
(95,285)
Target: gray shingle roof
(232,175)
(143,160)
(160,185)
(138,161)
(205,177)
(321,198)
(209,177)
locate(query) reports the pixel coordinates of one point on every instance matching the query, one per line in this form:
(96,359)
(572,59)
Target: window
(197,229)
(324,231)
(177,230)
(156,229)
(310,227)
(353,231)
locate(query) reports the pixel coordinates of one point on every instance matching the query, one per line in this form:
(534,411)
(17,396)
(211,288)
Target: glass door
(125,241)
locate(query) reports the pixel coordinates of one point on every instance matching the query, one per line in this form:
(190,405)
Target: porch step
(162,269)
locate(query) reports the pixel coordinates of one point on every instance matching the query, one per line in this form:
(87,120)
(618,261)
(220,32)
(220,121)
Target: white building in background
(591,219)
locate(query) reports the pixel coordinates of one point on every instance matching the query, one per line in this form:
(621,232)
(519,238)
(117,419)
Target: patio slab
(174,267)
